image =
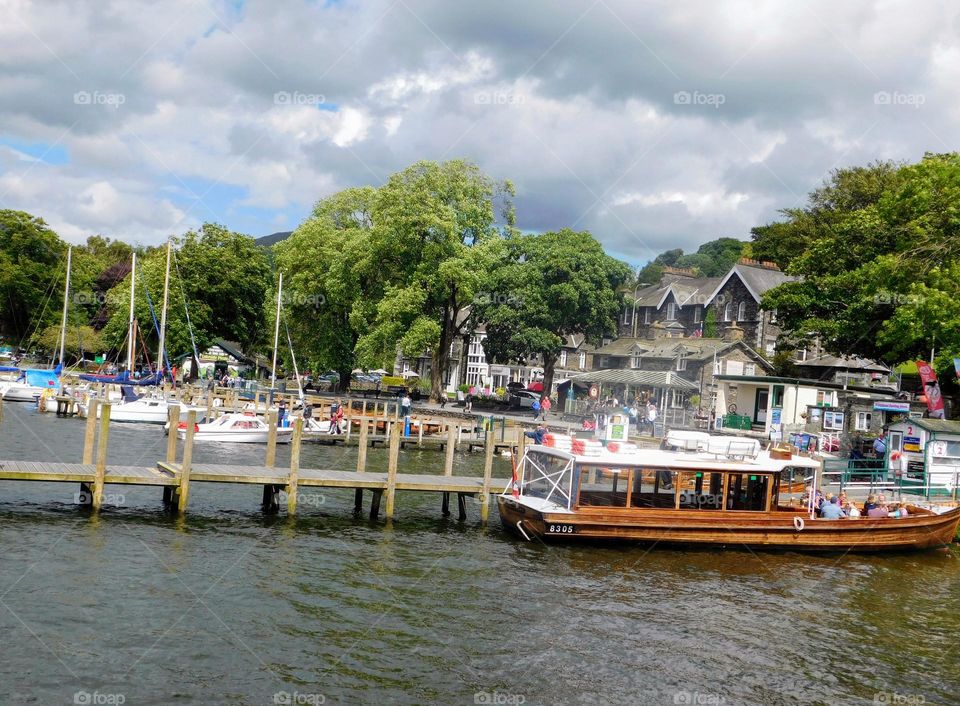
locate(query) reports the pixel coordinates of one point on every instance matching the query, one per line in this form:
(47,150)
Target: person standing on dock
(281,412)
(545,405)
(405,404)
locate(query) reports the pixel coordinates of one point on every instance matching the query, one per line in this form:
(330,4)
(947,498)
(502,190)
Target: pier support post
(101,469)
(487,475)
(86,495)
(271,458)
(375,504)
(392,469)
(269,502)
(445,505)
(461,506)
(362,445)
(183,494)
(294,467)
(173,419)
(90,433)
(357,501)
(451,446)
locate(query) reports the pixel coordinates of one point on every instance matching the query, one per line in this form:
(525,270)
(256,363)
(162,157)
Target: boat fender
(798,523)
(523,531)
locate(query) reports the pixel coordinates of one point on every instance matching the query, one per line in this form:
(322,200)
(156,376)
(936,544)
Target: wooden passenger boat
(692,498)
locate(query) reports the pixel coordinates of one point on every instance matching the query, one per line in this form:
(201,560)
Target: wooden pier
(175,475)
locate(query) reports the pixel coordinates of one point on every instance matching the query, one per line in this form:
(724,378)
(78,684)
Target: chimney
(766,264)
(732,333)
(681,271)
(748,261)
(657,331)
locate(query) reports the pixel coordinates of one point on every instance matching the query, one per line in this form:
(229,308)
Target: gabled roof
(692,347)
(645,378)
(757,279)
(683,289)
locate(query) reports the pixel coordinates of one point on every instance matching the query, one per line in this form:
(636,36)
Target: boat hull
(766,530)
(18,392)
(236,437)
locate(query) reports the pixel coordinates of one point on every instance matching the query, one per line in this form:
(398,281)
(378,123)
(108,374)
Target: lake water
(231,606)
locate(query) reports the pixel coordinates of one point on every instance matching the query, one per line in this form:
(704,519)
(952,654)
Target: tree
(879,262)
(434,237)
(32,269)
(330,288)
(81,341)
(220,277)
(712,259)
(548,287)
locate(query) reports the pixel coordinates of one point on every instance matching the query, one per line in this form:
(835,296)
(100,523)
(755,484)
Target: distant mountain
(268,240)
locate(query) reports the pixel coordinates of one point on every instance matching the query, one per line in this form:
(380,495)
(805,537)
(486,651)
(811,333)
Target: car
(524,398)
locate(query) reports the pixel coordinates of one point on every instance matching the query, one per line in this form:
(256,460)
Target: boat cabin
(566,481)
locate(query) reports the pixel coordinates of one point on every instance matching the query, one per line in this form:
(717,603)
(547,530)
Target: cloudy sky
(652,124)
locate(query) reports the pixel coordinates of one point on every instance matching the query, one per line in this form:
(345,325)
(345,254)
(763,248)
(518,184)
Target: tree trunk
(549,363)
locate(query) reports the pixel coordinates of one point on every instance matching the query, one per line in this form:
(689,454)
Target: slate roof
(757,279)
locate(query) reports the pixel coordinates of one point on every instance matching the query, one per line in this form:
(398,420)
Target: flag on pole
(931,389)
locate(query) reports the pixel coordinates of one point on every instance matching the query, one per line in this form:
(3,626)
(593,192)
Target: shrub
(388,380)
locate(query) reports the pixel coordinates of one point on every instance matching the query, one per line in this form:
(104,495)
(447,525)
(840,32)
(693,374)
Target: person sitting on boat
(877,511)
(818,501)
(898,510)
(831,510)
(537,434)
(851,510)
(870,504)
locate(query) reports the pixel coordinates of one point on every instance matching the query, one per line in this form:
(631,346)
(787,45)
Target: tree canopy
(712,259)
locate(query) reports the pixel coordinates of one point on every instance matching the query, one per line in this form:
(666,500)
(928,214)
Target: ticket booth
(926,452)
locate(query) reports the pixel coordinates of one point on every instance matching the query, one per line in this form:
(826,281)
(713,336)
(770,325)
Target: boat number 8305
(559,529)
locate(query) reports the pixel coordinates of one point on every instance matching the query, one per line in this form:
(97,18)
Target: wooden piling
(487,475)
(392,469)
(451,448)
(271,457)
(185,464)
(294,466)
(102,443)
(90,434)
(173,418)
(362,448)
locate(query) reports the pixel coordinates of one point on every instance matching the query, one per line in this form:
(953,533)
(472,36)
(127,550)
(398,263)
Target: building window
(627,314)
(635,360)
(671,311)
(583,361)
(749,369)
(741,311)
(727,311)
(697,314)
(773,316)
(676,399)
(682,362)
(734,367)
(563,359)
(646,314)
(863,421)
(833,421)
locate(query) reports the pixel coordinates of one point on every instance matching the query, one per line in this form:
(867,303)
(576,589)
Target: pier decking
(176,475)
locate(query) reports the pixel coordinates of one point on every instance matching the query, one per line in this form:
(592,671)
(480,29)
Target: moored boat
(729,496)
(237,428)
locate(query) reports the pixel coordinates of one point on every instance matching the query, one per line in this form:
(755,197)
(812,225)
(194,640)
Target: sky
(653,125)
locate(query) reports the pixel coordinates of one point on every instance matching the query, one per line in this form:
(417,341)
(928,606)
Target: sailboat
(31,384)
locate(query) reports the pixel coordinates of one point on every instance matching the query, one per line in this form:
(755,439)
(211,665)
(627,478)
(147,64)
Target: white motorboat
(236,428)
(29,386)
(148,410)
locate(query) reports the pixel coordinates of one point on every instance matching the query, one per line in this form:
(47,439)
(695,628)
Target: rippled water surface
(232,606)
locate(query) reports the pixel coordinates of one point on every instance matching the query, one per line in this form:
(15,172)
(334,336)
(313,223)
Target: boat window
(701,490)
(548,477)
(653,487)
(747,491)
(604,487)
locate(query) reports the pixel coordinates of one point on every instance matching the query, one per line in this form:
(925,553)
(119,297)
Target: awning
(638,378)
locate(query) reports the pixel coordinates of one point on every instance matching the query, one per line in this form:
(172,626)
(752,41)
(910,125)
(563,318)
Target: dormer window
(646,314)
(635,360)
(727,311)
(741,311)
(697,314)
(671,311)
(682,361)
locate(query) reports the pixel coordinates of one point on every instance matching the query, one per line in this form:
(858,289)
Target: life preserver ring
(798,524)
(732,408)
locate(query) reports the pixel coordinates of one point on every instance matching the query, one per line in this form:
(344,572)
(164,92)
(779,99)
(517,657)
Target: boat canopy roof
(42,378)
(680,460)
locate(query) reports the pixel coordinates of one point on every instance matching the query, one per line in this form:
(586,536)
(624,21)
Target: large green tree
(880,248)
(548,287)
(712,259)
(435,235)
(330,288)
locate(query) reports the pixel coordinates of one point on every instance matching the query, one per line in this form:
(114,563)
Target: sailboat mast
(163,315)
(131,342)
(276,334)
(66,302)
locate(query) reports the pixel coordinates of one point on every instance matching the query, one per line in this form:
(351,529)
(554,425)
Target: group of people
(541,408)
(836,507)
